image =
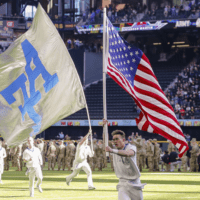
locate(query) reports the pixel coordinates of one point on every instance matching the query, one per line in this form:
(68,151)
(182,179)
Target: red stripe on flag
(147,71)
(145,59)
(155,96)
(169,137)
(147,82)
(165,123)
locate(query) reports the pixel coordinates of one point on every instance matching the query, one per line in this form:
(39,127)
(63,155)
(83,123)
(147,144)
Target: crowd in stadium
(135,12)
(184,93)
(132,13)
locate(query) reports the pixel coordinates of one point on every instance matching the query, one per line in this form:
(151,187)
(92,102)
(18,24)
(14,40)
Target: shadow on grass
(58,189)
(104,180)
(174,192)
(64,180)
(13,196)
(172,182)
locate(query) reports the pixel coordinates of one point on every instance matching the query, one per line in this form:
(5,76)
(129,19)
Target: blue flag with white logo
(39,84)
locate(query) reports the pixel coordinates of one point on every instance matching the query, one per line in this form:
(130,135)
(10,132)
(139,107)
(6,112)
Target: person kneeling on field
(166,161)
(174,160)
(80,162)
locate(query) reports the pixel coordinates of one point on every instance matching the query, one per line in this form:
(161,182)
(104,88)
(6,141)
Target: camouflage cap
(154,140)
(150,140)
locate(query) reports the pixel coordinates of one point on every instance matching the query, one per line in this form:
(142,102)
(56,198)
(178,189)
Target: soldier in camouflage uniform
(67,154)
(51,154)
(44,153)
(99,153)
(61,155)
(156,155)
(57,146)
(6,159)
(170,147)
(18,157)
(12,156)
(194,166)
(143,153)
(184,162)
(138,144)
(89,159)
(72,153)
(24,146)
(150,155)
(94,158)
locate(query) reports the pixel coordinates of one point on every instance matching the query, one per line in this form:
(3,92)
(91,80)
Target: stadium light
(158,43)
(183,42)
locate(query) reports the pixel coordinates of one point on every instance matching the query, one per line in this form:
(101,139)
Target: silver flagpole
(105,127)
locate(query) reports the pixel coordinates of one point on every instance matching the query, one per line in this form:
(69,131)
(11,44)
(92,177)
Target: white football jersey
(126,167)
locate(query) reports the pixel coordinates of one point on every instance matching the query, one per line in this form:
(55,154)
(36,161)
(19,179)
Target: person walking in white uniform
(125,167)
(32,157)
(80,162)
(2,156)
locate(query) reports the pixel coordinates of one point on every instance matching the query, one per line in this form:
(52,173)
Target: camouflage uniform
(143,153)
(54,142)
(184,162)
(61,156)
(156,155)
(150,155)
(6,159)
(90,159)
(44,153)
(138,144)
(24,146)
(99,153)
(12,156)
(18,157)
(72,153)
(193,160)
(170,147)
(94,158)
(67,154)
(51,154)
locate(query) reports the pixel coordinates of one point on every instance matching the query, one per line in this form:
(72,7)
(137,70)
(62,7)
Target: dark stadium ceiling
(28,2)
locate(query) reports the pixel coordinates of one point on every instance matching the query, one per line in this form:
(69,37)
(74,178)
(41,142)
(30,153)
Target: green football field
(160,186)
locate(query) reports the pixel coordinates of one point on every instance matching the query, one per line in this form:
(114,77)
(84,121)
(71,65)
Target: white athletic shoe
(91,188)
(31,195)
(40,189)
(1,182)
(68,181)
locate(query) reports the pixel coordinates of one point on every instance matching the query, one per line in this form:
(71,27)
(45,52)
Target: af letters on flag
(39,84)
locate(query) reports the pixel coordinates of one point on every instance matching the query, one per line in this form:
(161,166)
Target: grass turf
(160,186)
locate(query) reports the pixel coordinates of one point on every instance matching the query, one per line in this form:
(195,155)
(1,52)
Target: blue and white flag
(39,84)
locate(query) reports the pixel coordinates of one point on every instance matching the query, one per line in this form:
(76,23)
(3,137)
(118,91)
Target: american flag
(130,68)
